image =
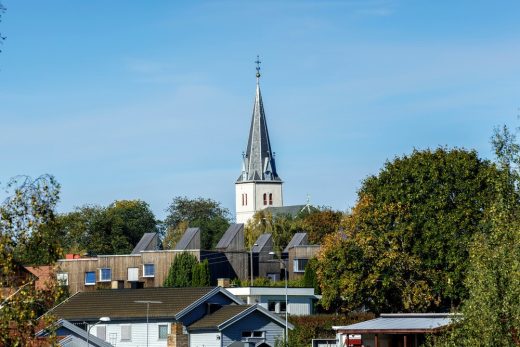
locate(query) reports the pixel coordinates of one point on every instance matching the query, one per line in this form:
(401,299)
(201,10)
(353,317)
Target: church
(258,185)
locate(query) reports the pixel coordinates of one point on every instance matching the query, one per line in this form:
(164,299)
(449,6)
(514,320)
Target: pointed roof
(259,164)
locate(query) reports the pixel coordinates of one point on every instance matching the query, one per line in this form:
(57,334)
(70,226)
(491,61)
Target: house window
(270,198)
(163,331)
(265,198)
(90,278)
(149,270)
(300,264)
(126,332)
(101,332)
(276,306)
(271,306)
(283,306)
(133,274)
(63,278)
(105,275)
(249,334)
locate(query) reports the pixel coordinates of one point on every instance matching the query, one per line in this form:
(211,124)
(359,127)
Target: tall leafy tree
(115,229)
(26,217)
(404,245)
(207,214)
(320,222)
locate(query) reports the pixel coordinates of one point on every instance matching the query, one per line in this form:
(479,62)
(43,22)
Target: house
(298,253)
(169,316)
(264,264)
(300,301)
(396,329)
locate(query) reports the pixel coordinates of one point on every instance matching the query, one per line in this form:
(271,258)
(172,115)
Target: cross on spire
(257,62)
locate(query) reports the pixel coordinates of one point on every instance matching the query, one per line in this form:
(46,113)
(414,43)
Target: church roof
(259,163)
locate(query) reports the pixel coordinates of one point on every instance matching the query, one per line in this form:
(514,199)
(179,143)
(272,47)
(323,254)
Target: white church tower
(258,186)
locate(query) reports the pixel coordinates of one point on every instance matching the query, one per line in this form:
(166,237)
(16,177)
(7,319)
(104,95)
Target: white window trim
(144,271)
(90,283)
(130,328)
(296,268)
(101,276)
(159,329)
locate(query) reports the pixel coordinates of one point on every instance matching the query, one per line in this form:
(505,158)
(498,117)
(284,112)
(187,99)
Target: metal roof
(229,235)
(186,239)
(292,210)
(261,241)
(402,322)
(144,242)
(298,239)
(259,163)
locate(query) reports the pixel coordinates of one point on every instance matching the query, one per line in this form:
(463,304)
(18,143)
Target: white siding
(213,339)
(138,334)
(298,306)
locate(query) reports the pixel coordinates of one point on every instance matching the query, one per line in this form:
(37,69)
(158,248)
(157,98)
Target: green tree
(24,215)
(200,274)
(174,234)
(115,229)
(207,214)
(310,280)
(403,247)
(491,313)
(281,226)
(181,271)
(320,222)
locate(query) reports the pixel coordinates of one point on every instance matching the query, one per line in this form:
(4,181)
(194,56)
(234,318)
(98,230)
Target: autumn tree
(25,219)
(206,214)
(320,222)
(403,246)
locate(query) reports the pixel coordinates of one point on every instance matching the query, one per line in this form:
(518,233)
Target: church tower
(258,186)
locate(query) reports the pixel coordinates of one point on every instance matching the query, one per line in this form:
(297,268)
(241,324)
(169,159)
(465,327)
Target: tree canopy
(115,229)
(27,234)
(403,247)
(206,214)
(186,271)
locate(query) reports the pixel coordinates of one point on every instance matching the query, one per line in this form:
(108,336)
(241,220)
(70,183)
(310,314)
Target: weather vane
(257,62)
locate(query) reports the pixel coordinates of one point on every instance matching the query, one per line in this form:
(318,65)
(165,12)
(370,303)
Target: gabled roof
(75,330)
(190,235)
(229,235)
(147,242)
(401,323)
(120,303)
(259,163)
(230,314)
(261,242)
(298,239)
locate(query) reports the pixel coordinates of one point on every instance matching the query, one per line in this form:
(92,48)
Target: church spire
(259,164)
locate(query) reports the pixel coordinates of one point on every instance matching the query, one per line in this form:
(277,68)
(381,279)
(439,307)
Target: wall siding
(138,334)
(207,339)
(255,321)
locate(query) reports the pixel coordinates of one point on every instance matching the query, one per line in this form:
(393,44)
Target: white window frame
(144,270)
(296,268)
(159,331)
(90,283)
(62,278)
(129,332)
(101,279)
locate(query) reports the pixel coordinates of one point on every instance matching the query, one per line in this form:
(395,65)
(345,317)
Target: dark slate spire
(258,159)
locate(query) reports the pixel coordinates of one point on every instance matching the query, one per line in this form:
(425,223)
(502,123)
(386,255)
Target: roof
(261,242)
(44,274)
(401,323)
(69,339)
(214,320)
(229,235)
(145,242)
(120,303)
(297,240)
(186,239)
(259,163)
(292,210)
(230,314)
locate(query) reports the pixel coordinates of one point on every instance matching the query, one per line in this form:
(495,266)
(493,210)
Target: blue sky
(152,99)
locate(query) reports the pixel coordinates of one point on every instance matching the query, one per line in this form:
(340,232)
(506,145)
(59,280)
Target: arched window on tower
(270,198)
(265,198)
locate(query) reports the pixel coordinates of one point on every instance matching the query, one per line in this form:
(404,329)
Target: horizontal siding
(255,321)
(298,306)
(205,340)
(138,335)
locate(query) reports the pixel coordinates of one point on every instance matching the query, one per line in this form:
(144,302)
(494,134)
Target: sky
(153,99)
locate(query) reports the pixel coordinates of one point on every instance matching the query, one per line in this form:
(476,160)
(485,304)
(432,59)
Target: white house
(300,301)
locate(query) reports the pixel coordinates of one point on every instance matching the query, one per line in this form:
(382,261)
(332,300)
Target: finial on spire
(257,62)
